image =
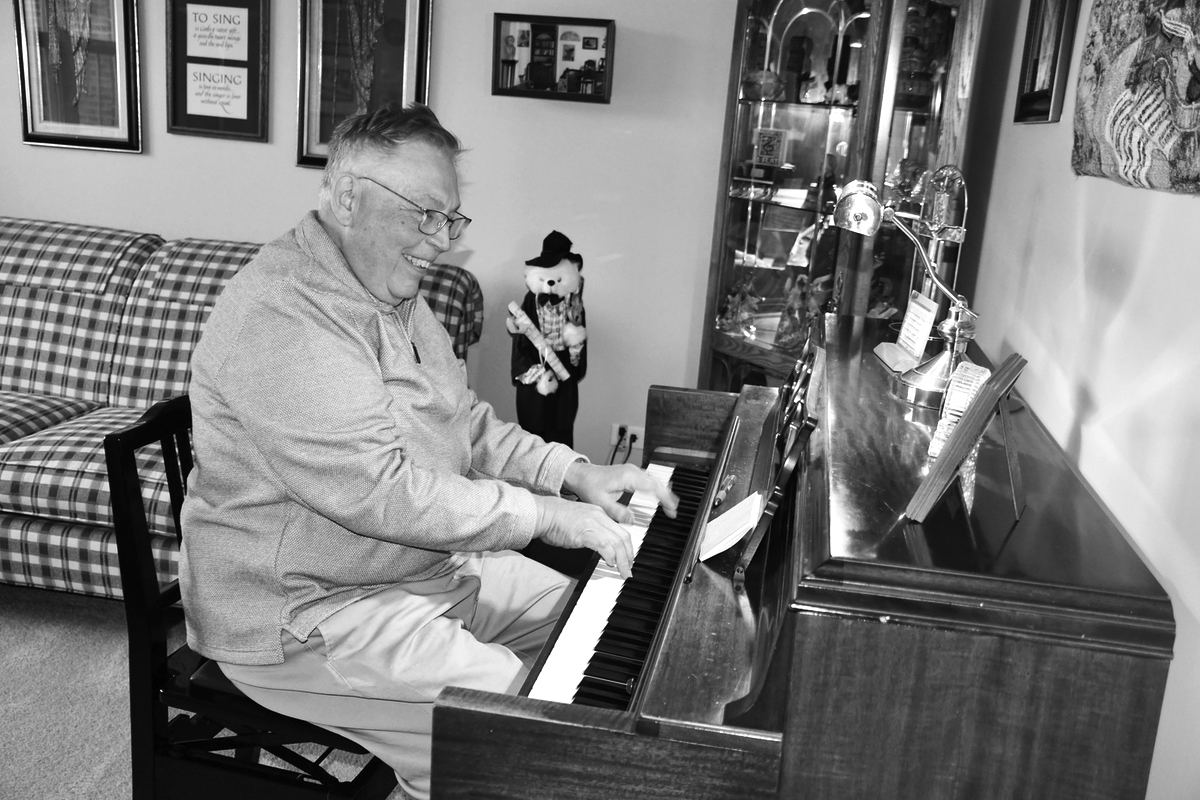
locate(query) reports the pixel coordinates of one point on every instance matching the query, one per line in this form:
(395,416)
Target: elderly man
(350,528)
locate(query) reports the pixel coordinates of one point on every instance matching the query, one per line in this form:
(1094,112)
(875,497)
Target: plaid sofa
(96,325)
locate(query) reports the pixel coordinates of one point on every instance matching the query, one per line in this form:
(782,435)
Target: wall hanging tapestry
(1137,107)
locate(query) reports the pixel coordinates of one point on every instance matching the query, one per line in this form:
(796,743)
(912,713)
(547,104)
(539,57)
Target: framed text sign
(79,74)
(217,68)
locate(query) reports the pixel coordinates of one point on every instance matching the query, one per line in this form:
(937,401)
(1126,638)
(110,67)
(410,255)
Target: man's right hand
(569,523)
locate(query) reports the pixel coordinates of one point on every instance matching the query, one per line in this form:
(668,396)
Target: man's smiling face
(383,244)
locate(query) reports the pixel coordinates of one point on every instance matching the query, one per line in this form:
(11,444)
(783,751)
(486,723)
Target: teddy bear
(549,341)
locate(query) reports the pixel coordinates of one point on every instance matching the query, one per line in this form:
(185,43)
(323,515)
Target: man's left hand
(603,486)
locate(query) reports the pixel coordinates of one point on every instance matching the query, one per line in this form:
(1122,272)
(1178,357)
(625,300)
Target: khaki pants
(372,670)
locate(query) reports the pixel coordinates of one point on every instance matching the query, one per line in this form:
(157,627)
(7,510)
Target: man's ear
(344,199)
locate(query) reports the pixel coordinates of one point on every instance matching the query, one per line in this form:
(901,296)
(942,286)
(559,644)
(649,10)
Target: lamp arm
(891,215)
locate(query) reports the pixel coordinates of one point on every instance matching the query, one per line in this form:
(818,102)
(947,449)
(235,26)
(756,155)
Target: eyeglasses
(432,220)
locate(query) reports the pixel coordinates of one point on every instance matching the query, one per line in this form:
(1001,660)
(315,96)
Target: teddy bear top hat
(555,247)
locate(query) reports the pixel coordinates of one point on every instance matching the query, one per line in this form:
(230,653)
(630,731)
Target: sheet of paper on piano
(729,528)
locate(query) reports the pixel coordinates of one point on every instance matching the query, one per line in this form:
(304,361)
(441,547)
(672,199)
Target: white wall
(1095,283)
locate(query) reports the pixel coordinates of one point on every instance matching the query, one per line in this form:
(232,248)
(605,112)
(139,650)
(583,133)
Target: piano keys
(568,655)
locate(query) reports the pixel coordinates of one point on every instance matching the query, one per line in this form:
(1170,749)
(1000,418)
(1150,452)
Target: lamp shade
(858,209)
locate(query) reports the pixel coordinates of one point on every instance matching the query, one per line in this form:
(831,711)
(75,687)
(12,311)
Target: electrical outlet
(630,431)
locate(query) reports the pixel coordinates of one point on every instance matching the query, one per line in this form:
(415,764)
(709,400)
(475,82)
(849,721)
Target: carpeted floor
(64,713)
(63,697)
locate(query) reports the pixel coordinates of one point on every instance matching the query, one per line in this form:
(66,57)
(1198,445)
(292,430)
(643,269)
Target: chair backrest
(168,425)
(570,80)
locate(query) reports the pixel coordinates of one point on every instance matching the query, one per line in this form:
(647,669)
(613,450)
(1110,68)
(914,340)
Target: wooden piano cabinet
(897,710)
(977,655)
(496,746)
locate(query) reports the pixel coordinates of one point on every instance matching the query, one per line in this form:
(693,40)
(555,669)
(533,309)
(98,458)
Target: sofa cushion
(22,413)
(167,308)
(62,292)
(60,473)
(71,557)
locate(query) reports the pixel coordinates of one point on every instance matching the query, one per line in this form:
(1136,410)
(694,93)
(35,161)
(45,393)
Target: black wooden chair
(194,735)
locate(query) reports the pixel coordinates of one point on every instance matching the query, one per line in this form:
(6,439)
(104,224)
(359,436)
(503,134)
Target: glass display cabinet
(824,92)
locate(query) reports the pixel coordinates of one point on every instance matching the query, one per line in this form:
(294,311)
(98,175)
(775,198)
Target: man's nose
(441,238)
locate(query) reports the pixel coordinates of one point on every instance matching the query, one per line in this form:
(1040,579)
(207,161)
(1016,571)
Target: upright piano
(998,649)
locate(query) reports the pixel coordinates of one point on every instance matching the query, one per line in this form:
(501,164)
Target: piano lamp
(859,211)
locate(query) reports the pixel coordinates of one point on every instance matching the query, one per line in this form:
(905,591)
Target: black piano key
(646,593)
(614,639)
(631,624)
(648,605)
(607,689)
(617,652)
(592,693)
(611,668)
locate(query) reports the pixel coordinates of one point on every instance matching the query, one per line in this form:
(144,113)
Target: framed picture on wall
(217,64)
(553,58)
(1049,39)
(79,74)
(350,63)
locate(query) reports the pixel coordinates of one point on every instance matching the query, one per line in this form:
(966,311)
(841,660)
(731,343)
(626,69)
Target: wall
(1095,284)
(632,183)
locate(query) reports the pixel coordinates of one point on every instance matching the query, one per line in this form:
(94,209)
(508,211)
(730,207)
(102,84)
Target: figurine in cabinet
(738,309)
(793,326)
